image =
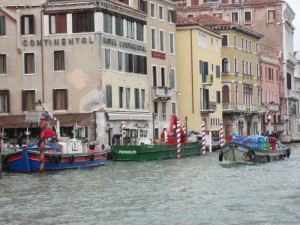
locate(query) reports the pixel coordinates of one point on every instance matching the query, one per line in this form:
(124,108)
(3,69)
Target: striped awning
(129,116)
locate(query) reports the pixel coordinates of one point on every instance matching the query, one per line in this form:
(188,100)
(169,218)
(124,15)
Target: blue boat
(72,154)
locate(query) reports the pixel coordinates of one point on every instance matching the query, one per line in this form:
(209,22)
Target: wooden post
(42,143)
(178,139)
(203,138)
(221,134)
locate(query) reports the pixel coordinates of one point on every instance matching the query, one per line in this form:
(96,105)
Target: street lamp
(269,124)
(107,128)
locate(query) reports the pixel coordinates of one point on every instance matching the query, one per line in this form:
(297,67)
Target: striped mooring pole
(123,131)
(178,139)
(221,134)
(203,138)
(42,143)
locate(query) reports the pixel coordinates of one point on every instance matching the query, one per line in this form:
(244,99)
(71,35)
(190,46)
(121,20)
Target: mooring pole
(42,143)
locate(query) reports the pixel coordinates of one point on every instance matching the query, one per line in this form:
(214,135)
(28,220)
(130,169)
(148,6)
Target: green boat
(137,148)
(154,152)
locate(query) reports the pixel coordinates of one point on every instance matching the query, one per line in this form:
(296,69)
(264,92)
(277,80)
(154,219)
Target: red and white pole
(0,150)
(42,142)
(178,139)
(203,138)
(123,131)
(221,134)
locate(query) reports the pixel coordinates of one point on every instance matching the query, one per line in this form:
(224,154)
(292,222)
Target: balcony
(207,80)
(293,94)
(162,93)
(236,107)
(212,107)
(273,107)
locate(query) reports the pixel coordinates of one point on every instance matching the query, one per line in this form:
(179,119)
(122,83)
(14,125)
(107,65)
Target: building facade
(199,77)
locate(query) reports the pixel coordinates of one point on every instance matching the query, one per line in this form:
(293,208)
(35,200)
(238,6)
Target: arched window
(225,94)
(225,65)
(235,65)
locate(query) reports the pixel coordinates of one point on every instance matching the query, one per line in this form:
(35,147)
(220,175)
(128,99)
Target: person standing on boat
(20,139)
(49,133)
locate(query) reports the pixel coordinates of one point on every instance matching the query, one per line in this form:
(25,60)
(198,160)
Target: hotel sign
(123,44)
(58,41)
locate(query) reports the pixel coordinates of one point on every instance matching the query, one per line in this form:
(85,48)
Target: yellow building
(241,89)
(199,74)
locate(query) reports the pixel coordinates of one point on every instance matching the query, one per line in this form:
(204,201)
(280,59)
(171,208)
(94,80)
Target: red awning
(66,120)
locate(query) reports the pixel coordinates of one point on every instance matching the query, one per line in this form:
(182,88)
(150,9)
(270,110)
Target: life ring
(50,139)
(268,157)
(92,157)
(52,158)
(221,154)
(251,154)
(71,159)
(288,152)
(57,159)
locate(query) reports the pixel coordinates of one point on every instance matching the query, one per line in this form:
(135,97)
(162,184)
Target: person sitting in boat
(49,133)
(162,135)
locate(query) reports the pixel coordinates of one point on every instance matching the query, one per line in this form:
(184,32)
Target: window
(153,38)
(226,94)
(59,60)
(58,24)
(60,99)
(243,43)
(137,98)
(161,12)
(235,41)
(27,24)
(143,96)
(250,68)
(172,78)
(235,65)
(29,63)
(139,32)
(28,100)
(203,67)
(127,98)
(163,77)
(83,22)
(107,23)
(235,17)
(119,26)
(155,107)
(3,64)
(152,10)
(107,58)
(130,29)
(194,2)
(243,66)
(248,17)
(218,97)
(202,40)
(162,40)
(172,45)
(120,61)
(271,15)
(250,46)
(108,91)
(174,108)
(218,15)
(218,71)
(2,26)
(4,101)
(154,76)
(121,94)
(135,63)
(225,40)
(225,65)
(164,111)
(171,16)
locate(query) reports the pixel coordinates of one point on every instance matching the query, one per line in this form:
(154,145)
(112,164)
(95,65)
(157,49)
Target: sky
(295,5)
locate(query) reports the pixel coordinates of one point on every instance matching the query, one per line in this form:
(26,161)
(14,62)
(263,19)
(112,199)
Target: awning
(66,120)
(70,119)
(129,116)
(13,121)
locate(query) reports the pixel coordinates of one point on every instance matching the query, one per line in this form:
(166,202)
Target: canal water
(194,190)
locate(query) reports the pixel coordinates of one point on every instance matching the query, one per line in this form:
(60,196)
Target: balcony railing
(242,107)
(273,106)
(293,94)
(212,107)
(162,93)
(207,79)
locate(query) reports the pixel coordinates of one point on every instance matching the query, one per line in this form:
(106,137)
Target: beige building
(161,54)
(199,76)
(86,61)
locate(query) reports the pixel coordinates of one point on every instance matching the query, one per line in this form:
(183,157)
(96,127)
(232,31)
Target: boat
(140,148)
(73,154)
(254,149)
